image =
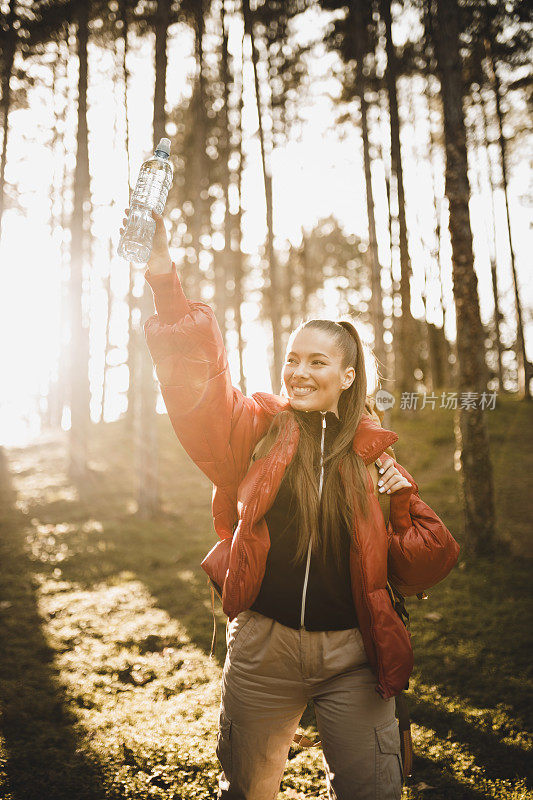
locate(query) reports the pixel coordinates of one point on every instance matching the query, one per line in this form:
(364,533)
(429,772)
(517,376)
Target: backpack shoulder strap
(384,499)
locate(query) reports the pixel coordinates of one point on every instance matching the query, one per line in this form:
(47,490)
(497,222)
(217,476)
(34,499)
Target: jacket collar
(370,439)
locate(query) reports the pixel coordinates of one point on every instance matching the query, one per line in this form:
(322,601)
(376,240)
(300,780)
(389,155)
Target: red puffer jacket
(219,427)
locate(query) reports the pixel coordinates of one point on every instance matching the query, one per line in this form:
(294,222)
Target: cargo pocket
(389,770)
(223,748)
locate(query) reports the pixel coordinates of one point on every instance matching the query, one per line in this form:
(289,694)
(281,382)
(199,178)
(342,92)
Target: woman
(304,552)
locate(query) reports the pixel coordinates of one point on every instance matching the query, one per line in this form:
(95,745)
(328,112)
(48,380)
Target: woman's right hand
(160,261)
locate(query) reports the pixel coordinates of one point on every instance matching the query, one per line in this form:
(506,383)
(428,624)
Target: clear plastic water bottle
(151,190)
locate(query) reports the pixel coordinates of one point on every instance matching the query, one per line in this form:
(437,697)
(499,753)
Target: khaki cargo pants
(270,673)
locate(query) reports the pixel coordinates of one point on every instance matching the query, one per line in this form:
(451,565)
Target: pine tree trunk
(79,353)
(525,369)
(306,267)
(107,345)
(471,428)
(133,343)
(440,354)
(238,256)
(390,355)
(479,144)
(161,26)
(63,366)
(407,345)
(54,399)
(191,267)
(274,311)
(358,28)
(8,50)
(223,263)
(133,335)
(148,489)
(422,332)
(438,344)
(290,281)
(498,316)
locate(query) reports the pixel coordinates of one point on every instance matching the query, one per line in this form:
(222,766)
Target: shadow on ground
(39,745)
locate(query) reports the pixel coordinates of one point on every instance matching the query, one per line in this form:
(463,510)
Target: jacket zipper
(306,578)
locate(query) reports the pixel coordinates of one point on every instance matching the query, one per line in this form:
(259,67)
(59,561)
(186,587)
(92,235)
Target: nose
(300,371)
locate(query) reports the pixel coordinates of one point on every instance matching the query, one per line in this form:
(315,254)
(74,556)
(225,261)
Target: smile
(301,392)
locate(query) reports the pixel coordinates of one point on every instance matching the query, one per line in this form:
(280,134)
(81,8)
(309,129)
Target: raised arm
(216,424)
(192,368)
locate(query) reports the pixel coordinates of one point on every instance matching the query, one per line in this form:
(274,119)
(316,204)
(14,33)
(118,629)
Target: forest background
(365,158)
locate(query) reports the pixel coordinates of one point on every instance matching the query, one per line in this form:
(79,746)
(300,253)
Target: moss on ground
(107,690)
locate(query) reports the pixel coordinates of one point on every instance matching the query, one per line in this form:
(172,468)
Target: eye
(289,360)
(318,362)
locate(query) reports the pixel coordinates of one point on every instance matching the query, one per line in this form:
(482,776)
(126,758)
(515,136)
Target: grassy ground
(106,686)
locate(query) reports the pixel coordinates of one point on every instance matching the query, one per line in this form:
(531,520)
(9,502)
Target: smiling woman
(304,552)
(315,380)
(325,375)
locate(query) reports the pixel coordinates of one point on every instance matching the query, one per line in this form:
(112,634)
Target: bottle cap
(164,146)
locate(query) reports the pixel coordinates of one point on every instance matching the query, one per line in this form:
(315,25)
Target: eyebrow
(292,353)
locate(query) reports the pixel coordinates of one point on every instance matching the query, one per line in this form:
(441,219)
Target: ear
(349,377)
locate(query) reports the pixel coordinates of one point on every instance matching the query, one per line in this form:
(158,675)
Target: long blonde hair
(344,487)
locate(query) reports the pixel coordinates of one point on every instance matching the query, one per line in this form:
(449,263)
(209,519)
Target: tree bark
(471,428)
(237,255)
(107,345)
(9,47)
(148,489)
(407,345)
(223,261)
(525,369)
(306,275)
(393,292)
(133,335)
(199,180)
(481,144)
(161,25)
(57,192)
(439,349)
(422,331)
(358,28)
(79,342)
(275,315)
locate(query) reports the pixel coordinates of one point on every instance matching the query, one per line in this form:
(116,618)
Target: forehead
(313,340)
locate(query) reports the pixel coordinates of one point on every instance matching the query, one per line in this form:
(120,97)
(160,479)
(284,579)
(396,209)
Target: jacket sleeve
(422,550)
(213,420)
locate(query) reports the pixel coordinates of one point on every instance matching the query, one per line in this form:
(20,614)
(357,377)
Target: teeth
(299,391)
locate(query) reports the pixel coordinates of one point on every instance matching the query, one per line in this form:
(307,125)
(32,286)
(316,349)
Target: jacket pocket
(389,768)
